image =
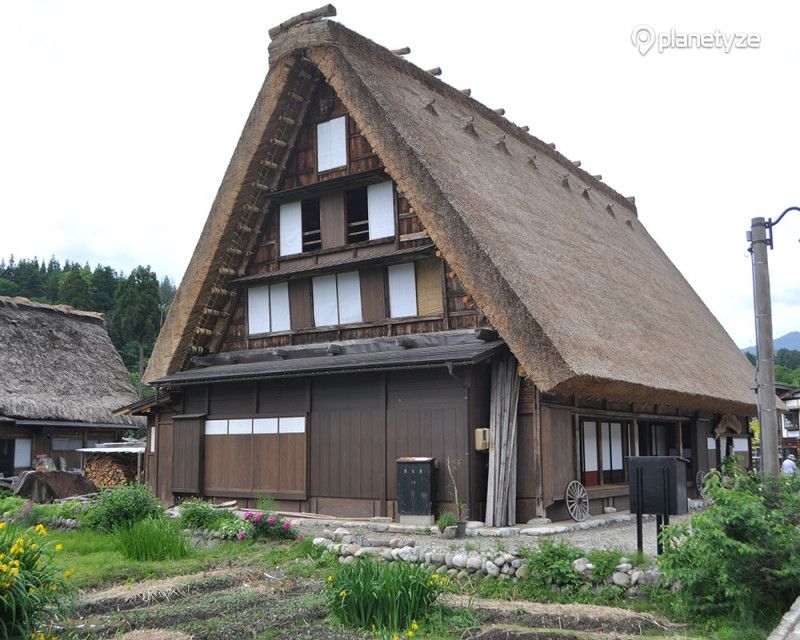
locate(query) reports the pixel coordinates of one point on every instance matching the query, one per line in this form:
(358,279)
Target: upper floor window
(402,290)
(332,144)
(300,228)
(336,219)
(268,308)
(337,298)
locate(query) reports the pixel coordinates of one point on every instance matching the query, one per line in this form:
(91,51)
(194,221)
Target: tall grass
(389,596)
(152,539)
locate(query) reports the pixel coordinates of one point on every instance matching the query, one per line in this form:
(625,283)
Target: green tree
(73,289)
(136,311)
(104,288)
(166,292)
(52,279)
(28,277)
(8,288)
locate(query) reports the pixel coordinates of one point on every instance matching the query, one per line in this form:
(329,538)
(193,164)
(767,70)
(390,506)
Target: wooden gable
(436,312)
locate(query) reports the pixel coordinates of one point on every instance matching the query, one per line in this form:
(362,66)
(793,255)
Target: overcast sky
(118,119)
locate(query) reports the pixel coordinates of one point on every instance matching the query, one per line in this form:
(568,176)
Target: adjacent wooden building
(389,266)
(60,381)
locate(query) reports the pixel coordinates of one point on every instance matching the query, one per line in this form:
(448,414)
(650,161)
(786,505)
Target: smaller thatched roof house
(60,380)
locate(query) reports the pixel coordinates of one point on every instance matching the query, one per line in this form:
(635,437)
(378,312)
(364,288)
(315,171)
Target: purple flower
(258,517)
(300,538)
(271,520)
(240,535)
(247,515)
(287,525)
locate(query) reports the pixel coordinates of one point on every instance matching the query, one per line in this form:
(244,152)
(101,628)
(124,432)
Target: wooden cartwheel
(577,501)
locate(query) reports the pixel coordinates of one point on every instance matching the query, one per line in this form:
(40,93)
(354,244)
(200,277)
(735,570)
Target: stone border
(789,626)
(462,564)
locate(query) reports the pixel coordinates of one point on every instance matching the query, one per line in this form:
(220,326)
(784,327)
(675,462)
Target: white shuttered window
(291,229)
(337,299)
(22,453)
(332,144)
(268,308)
(380,208)
(325,307)
(402,290)
(349,295)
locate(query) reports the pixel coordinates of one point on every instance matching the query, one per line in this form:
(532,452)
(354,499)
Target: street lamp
(760,238)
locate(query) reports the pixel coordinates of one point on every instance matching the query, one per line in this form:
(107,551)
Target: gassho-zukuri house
(390,266)
(60,381)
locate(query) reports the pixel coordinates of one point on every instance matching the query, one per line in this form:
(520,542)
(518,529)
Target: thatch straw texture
(58,363)
(585,298)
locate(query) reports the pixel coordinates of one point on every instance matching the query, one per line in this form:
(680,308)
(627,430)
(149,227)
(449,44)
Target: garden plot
(286,608)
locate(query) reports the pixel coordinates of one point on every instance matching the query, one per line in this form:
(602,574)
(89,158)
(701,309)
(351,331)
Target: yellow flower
(2,525)
(414,625)
(410,634)
(33,545)
(435,576)
(68,573)
(41,530)
(59,547)
(343,594)
(330,579)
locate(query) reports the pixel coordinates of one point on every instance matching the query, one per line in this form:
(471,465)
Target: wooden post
(765,368)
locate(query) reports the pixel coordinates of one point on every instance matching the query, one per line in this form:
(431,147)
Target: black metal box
(663,484)
(416,486)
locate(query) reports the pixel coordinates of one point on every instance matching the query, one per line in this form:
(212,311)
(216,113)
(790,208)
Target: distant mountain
(790,341)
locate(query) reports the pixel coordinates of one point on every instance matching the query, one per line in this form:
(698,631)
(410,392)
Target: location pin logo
(643,38)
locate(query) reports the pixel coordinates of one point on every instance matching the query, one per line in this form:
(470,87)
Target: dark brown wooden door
(7,457)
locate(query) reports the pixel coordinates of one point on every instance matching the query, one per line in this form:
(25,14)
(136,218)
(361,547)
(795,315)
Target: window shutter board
(291,229)
(332,220)
(332,144)
(301,310)
(349,297)
(373,294)
(325,305)
(280,316)
(258,309)
(429,287)
(22,452)
(380,205)
(402,290)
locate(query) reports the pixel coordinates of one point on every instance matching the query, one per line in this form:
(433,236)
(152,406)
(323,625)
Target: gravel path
(610,536)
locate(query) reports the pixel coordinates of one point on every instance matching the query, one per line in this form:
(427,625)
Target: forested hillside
(787,366)
(134,304)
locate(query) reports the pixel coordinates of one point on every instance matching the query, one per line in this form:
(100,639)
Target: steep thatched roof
(557,260)
(58,363)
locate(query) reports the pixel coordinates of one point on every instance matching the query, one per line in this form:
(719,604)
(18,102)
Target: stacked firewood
(110,470)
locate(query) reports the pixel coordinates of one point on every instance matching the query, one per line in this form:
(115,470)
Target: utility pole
(760,237)
(765,367)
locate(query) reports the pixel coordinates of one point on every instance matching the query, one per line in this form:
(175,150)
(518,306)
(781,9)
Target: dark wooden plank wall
(529,453)
(187,468)
(427,415)
(558,457)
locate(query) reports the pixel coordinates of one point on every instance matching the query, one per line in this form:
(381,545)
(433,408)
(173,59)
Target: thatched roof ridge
(58,363)
(557,260)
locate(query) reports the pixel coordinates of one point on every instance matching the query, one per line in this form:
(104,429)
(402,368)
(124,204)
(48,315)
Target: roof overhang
(421,357)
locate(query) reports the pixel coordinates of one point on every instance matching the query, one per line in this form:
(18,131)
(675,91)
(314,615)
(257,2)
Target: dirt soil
(241,603)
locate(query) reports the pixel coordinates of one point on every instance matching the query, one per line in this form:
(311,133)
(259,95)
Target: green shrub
(31,587)
(267,503)
(10,507)
(270,526)
(199,514)
(739,558)
(446,519)
(604,563)
(551,565)
(121,507)
(154,538)
(382,596)
(236,528)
